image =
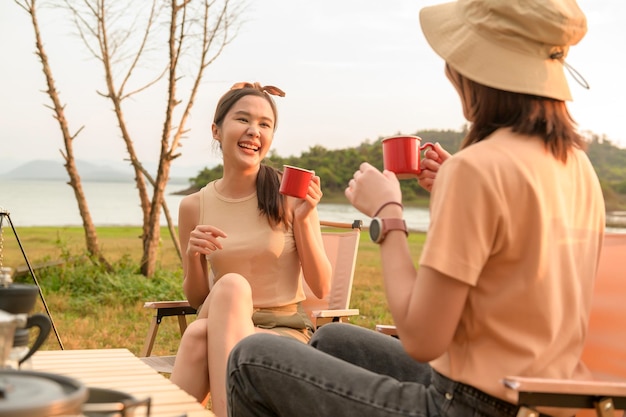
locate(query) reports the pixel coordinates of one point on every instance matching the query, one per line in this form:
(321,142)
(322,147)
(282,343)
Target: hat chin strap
(572,71)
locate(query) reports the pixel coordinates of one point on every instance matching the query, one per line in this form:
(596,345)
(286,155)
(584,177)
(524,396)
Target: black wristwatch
(380,227)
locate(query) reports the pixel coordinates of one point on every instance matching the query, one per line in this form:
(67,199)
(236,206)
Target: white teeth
(249,146)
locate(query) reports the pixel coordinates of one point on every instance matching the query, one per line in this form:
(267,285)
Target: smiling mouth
(249,146)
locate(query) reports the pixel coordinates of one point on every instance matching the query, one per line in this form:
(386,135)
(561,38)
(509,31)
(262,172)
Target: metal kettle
(9,323)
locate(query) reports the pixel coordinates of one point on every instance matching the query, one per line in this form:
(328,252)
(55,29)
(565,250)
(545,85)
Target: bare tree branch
(91,237)
(196,33)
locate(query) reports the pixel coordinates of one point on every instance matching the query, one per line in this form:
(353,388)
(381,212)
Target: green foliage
(609,162)
(88,284)
(336,167)
(620,187)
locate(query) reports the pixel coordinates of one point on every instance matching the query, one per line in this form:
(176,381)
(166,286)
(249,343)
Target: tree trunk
(193,26)
(91,236)
(152,239)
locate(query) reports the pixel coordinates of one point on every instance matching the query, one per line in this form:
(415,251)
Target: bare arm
(196,240)
(426,305)
(316,267)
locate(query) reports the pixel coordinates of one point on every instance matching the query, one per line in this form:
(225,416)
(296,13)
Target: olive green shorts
(290,321)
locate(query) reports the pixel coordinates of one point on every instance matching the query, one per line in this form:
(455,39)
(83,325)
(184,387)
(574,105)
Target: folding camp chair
(604,351)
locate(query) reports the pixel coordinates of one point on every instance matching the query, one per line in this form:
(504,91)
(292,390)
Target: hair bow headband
(269,89)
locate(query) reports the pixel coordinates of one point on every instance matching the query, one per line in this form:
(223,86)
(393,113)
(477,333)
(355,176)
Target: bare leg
(225,319)
(190,367)
(229,321)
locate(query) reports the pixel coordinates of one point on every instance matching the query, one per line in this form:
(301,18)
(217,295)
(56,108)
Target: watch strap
(384,226)
(394,224)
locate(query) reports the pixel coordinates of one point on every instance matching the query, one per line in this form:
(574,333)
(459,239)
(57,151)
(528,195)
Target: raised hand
(430,164)
(369,189)
(304,206)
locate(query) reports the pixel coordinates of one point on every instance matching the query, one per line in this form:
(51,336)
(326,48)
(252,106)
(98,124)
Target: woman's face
(246,133)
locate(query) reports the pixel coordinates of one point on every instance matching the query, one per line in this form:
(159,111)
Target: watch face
(375,227)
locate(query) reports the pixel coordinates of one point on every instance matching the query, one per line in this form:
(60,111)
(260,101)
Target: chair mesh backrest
(341,249)
(605,347)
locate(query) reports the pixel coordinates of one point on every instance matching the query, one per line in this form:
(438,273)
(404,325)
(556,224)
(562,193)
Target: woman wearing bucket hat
(506,272)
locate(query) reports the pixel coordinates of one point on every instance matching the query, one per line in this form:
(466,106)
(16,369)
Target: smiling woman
(242,216)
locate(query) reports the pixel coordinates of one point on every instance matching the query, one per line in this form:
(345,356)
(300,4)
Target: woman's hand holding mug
(430,164)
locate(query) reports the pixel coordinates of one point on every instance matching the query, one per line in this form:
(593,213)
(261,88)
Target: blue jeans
(346,370)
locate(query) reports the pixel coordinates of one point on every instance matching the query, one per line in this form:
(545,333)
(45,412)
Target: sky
(352,70)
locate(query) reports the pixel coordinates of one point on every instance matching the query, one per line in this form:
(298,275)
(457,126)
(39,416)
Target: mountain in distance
(54,170)
(88,171)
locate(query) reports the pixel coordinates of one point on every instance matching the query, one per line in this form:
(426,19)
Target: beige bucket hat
(511,45)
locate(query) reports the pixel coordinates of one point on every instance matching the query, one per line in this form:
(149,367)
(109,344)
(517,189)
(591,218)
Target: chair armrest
(166,304)
(322,317)
(179,308)
(336,313)
(356,224)
(566,393)
(388,329)
(170,308)
(565,386)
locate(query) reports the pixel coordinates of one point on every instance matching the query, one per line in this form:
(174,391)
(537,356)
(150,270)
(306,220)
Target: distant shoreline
(613,218)
(115,203)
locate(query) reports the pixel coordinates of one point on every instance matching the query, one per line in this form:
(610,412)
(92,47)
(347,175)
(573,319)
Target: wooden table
(120,370)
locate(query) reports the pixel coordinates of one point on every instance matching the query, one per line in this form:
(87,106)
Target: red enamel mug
(295,181)
(402,155)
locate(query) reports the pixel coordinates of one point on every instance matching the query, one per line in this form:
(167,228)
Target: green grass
(92,308)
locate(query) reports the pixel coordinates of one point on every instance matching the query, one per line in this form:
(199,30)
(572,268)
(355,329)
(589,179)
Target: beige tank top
(267,257)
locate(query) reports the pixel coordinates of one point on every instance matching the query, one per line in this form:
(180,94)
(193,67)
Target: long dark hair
(270,201)
(490,109)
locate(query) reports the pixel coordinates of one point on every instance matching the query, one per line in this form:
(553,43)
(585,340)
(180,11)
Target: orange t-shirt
(524,230)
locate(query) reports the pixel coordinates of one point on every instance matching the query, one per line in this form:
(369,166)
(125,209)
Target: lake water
(52,203)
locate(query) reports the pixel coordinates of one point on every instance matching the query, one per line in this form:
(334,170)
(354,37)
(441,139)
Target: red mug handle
(427,145)
(421,148)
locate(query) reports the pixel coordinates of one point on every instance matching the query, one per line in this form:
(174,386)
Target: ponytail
(270,202)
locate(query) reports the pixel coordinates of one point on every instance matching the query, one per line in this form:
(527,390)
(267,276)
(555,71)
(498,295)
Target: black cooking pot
(39,394)
(18,298)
